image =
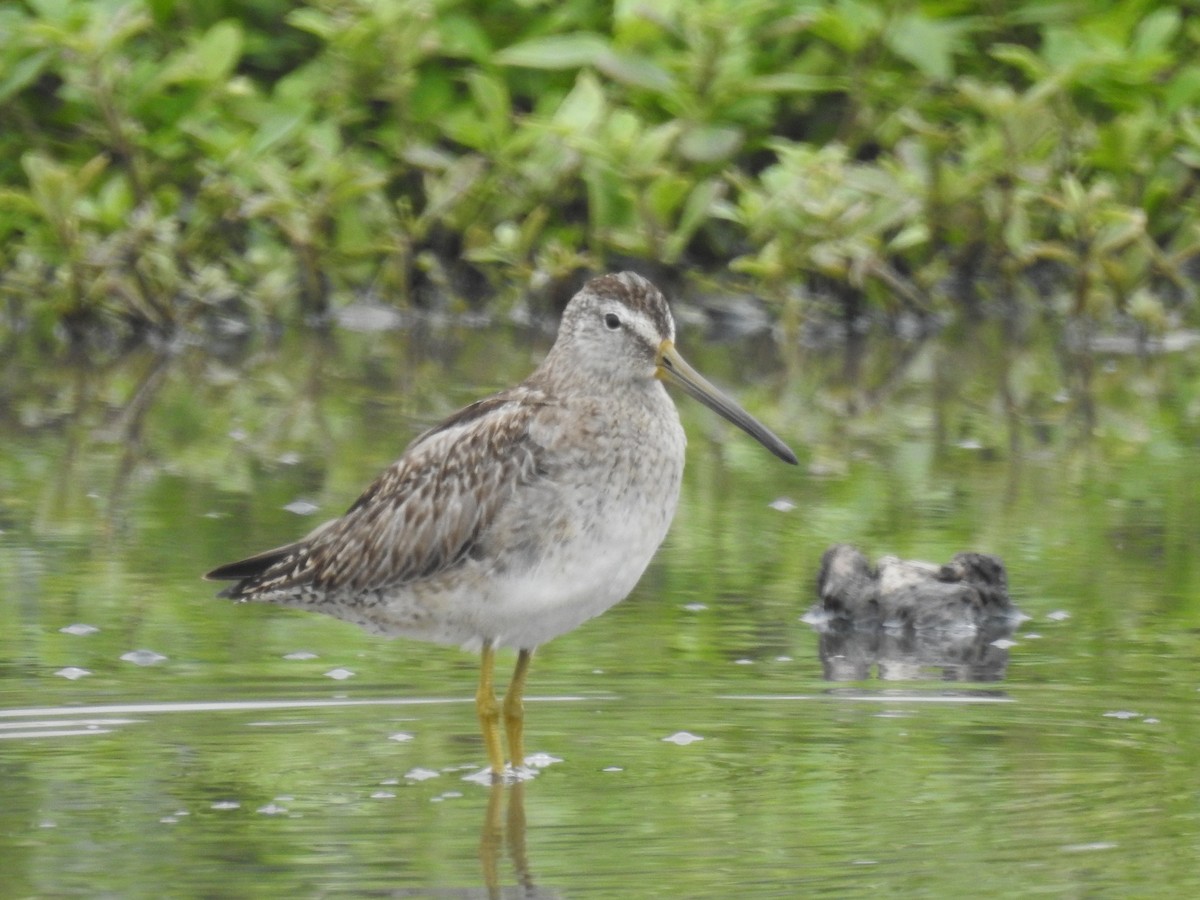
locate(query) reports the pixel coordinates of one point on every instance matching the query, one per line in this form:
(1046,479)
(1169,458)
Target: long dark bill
(674,369)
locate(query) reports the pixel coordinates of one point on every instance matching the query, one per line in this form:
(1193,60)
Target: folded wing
(427,512)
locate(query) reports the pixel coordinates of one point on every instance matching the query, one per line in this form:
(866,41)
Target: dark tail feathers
(246,570)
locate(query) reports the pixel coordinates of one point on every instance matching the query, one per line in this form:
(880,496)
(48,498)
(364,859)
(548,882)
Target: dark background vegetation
(165,161)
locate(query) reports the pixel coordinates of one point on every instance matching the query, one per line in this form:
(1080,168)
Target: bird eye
(612,321)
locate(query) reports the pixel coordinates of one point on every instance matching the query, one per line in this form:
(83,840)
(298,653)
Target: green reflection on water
(119,484)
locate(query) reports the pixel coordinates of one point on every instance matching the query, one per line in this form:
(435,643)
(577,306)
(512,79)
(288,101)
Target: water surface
(687,742)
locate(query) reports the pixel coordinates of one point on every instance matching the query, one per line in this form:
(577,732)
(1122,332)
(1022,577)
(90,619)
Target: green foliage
(159,161)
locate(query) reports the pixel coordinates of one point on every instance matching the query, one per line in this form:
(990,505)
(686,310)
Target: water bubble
(817,616)
(419,774)
(339,674)
(400,737)
(302,507)
(782,504)
(226,804)
(79,628)
(1003,643)
(682,738)
(300,654)
(73,673)
(511,775)
(383,795)
(1059,615)
(143,657)
(1122,714)
(272,809)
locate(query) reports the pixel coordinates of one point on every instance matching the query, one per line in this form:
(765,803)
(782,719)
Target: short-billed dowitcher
(523,515)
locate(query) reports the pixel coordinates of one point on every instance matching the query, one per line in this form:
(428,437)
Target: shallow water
(686,742)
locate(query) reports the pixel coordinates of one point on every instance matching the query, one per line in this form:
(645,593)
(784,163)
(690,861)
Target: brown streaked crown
(638,294)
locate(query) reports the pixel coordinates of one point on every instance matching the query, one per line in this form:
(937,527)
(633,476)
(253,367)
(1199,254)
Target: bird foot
(510,775)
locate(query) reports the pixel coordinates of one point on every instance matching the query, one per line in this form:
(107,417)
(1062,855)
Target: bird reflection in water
(504,830)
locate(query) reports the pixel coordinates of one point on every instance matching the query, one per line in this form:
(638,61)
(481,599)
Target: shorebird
(521,516)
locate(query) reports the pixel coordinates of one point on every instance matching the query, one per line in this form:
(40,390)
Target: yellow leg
(489,710)
(514,709)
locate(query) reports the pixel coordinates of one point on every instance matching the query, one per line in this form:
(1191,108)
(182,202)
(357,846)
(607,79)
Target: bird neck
(567,369)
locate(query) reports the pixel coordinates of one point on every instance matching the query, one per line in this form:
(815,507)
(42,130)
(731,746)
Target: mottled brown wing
(424,514)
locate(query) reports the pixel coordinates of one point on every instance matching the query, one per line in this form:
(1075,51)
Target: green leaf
(710,143)
(847,24)
(48,181)
(583,108)
(1065,48)
(464,37)
(606,210)
(56,188)
(314,22)
(209,59)
(1183,91)
(913,235)
(1155,32)
(16,202)
(218,51)
(23,73)
(926,43)
(1129,225)
(490,94)
(665,195)
(433,92)
(636,71)
(278,127)
(1022,58)
(696,210)
(623,129)
(559,51)
(463,125)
